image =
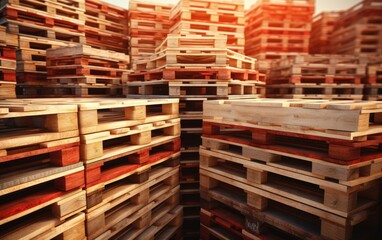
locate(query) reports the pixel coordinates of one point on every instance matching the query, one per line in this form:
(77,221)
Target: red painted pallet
(59,217)
(322,148)
(140,160)
(22,15)
(33,30)
(105,11)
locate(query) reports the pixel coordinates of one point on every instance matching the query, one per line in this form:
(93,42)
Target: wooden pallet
(174,41)
(101,178)
(149,25)
(30,124)
(229,110)
(199,58)
(220,6)
(132,202)
(27,167)
(94,145)
(289,215)
(56,9)
(112,166)
(105,11)
(272,43)
(208,15)
(58,193)
(316,91)
(165,228)
(47,226)
(318,79)
(316,69)
(104,41)
(30,78)
(68,91)
(33,30)
(196,89)
(24,15)
(314,191)
(354,39)
(207,29)
(322,148)
(86,51)
(214,73)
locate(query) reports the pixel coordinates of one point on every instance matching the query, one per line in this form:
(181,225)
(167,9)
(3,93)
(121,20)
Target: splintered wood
(321,161)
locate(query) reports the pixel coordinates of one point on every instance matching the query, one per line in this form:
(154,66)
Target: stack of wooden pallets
(373,81)
(277,29)
(317,77)
(130,149)
(311,168)
(41,176)
(359,29)
(210,18)
(149,24)
(41,25)
(106,26)
(130,168)
(194,68)
(322,28)
(81,71)
(8,44)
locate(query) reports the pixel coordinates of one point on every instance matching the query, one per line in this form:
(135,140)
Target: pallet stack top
(358,30)
(320,76)
(106,26)
(195,66)
(210,18)
(149,25)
